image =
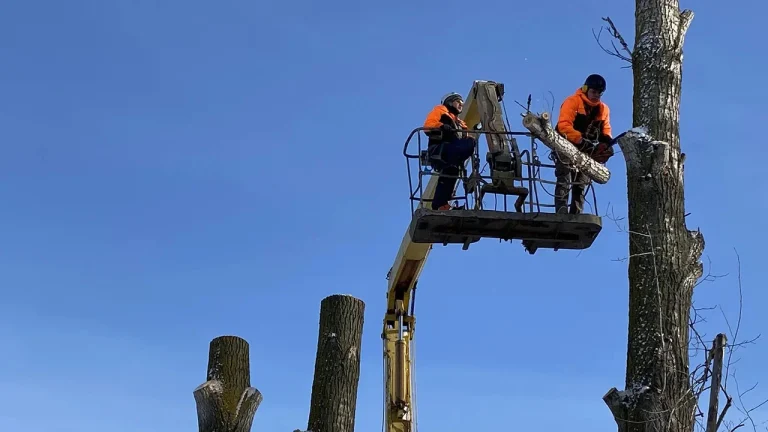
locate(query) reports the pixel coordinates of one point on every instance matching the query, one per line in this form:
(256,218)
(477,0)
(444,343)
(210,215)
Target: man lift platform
(472,221)
(537,229)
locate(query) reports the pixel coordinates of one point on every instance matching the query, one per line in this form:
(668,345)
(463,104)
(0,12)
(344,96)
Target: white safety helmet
(450,97)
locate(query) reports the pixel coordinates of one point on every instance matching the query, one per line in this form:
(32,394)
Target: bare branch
(738,322)
(614,32)
(728,403)
(704,371)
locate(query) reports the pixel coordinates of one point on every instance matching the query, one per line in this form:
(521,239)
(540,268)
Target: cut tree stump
(337,365)
(226,402)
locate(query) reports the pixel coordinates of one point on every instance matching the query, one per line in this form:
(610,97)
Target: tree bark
(717,354)
(541,128)
(226,402)
(664,255)
(337,365)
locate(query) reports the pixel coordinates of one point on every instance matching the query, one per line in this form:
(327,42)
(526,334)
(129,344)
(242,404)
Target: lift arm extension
(398,329)
(399,320)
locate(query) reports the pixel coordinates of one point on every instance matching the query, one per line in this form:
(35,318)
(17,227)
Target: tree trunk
(226,402)
(337,365)
(717,354)
(664,255)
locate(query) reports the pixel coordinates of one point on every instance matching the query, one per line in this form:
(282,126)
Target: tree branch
(614,32)
(614,399)
(541,128)
(686,17)
(728,403)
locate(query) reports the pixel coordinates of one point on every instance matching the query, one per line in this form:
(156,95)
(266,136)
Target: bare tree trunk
(337,365)
(717,354)
(664,255)
(226,402)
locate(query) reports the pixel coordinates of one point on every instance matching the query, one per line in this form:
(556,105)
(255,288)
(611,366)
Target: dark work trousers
(453,154)
(569,179)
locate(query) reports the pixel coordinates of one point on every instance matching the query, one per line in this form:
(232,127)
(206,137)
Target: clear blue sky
(174,171)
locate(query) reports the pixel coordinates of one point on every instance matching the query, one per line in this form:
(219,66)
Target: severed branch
(614,32)
(541,128)
(616,402)
(686,17)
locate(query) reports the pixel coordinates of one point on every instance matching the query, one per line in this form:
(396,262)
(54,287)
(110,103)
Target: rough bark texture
(664,255)
(717,353)
(226,402)
(337,365)
(541,128)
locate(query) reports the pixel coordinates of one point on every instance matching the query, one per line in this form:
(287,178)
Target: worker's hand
(586,145)
(602,153)
(603,138)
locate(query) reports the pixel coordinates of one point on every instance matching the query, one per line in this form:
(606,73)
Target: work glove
(448,133)
(585,145)
(602,153)
(603,138)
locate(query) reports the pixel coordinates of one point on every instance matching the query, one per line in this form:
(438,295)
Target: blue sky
(174,171)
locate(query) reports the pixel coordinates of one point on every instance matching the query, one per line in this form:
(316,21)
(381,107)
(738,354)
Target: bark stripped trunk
(226,402)
(337,366)
(664,255)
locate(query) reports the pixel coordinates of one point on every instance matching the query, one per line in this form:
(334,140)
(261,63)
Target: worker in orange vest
(585,121)
(450,143)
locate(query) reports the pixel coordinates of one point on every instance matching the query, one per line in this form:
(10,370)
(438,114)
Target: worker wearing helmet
(450,142)
(586,122)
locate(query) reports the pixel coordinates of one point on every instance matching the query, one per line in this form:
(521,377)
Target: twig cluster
(705,370)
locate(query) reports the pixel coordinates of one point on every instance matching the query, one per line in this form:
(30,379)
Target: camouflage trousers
(569,180)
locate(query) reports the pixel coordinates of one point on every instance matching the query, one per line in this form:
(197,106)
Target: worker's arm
(568,111)
(606,135)
(434,118)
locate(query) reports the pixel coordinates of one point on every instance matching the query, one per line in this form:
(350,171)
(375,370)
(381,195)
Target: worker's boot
(448,206)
